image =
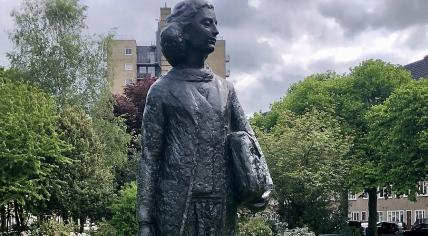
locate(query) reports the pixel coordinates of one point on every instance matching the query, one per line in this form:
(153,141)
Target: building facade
(129,62)
(389,206)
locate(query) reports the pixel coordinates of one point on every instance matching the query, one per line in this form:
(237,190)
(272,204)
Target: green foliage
(51,228)
(88,181)
(348,99)
(111,130)
(254,226)
(124,217)
(30,147)
(399,134)
(52,52)
(50,47)
(105,229)
(298,232)
(306,154)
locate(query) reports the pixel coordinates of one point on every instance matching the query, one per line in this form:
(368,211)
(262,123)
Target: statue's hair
(172,36)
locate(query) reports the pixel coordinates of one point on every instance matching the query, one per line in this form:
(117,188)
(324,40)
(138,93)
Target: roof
(418,69)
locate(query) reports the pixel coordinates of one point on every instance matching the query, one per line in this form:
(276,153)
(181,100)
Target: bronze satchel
(251,178)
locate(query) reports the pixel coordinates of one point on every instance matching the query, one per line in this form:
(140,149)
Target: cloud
(274,43)
(358,16)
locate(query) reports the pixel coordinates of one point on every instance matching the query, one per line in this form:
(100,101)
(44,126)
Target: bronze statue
(186,183)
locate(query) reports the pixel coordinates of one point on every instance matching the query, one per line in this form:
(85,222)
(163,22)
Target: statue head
(191,28)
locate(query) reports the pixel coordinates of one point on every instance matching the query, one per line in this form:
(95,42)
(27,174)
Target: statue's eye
(206,23)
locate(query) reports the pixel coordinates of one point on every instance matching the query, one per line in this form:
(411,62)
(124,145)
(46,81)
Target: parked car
(418,229)
(402,227)
(387,228)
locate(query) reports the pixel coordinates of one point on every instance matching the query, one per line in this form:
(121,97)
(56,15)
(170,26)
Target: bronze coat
(185,184)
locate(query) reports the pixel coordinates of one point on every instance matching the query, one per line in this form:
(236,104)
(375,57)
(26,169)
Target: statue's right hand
(146,230)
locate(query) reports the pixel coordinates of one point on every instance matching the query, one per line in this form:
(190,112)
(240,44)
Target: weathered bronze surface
(186,181)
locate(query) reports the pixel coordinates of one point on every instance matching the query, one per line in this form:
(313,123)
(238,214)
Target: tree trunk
(372,205)
(82,224)
(2,219)
(65,216)
(16,215)
(344,206)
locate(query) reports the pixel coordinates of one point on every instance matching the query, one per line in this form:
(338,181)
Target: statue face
(202,32)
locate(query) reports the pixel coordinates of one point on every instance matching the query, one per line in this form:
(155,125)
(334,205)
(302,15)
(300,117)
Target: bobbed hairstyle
(173,42)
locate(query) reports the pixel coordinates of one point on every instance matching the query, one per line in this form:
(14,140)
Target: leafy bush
(51,228)
(105,229)
(124,216)
(298,232)
(254,226)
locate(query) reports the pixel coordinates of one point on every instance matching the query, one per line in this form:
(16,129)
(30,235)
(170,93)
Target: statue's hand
(260,204)
(146,230)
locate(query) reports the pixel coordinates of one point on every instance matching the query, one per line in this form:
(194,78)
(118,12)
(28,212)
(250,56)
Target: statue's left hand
(260,204)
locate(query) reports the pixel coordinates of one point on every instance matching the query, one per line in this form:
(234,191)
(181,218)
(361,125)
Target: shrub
(124,216)
(254,226)
(51,228)
(298,232)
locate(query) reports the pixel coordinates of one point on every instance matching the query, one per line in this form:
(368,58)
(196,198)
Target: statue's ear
(186,33)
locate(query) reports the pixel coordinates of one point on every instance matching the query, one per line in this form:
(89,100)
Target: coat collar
(192,75)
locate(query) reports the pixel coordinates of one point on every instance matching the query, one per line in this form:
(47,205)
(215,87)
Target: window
(352,196)
(355,215)
(419,214)
(145,71)
(128,51)
(151,70)
(395,216)
(380,216)
(423,188)
(128,66)
(363,216)
(152,57)
(142,70)
(381,192)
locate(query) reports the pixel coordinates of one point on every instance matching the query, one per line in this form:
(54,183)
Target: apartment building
(389,206)
(129,62)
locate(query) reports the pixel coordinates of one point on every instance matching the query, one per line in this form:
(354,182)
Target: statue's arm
(152,143)
(239,121)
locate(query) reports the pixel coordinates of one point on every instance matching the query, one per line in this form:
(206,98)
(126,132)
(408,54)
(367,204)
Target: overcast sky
(274,43)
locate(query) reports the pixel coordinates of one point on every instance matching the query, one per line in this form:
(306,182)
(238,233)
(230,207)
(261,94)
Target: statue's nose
(215,31)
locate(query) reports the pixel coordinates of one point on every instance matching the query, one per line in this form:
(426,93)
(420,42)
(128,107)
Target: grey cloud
(418,38)
(357,16)
(285,21)
(233,14)
(247,54)
(260,97)
(398,14)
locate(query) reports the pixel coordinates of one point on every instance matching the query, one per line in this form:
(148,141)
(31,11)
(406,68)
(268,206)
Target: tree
(55,55)
(131,105)
(124,208)
(49,46)
(398,132)
(111,130)
(348,98)
(305,154)
(30,147)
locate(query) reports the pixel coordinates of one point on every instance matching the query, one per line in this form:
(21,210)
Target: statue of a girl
(185,180)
